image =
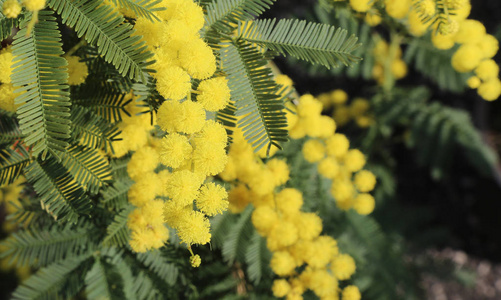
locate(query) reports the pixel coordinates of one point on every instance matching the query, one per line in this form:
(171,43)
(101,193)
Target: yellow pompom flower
(373,19)
(11,8)
(264,218)
(365,181)
(360,5)
(143,161)
(214,93)
(320,251)
(327,127)
(343,266)
(309,106)
(280,288)
(175,215)
(397,9)
(148,238)
(195,229)
(6,65)
(442,41)
(427,7)
(176,34)
(77,70)
(7,97)
(195,261)
(190,13)
(364,204)
(145,189)
(354,160)
(489,46)
(416,26)
(328,167)
(183,186)
(470,32)
(282,263)
(239,197)
(197,59)
(289,201)
(173,83)
(151,31)
(487,69)
(262,182)
(209,159)
(34,5)
(230,170)
(473,82)
(213,134)
(309,226)
(282,235)
(187,117)
(342,190)
(359,106)
(175,150)
(351,292)
(341,115)
(466,58)
(212,199)
(313,150)
(339,96)
(337,145)
(322,283)
(490,90)
(280,170)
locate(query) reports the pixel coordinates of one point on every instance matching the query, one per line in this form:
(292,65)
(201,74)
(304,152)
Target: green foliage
(44,116)
(142,8)
(326,46)
(436,130)
(435,64)
(58,193)
(103,281)
(49,282)
(117,233)
(161,265)
(257,258)
(12,163)
(254,92)
(37,247)
(236,241)
(106,29)
(6,24)
(223,15)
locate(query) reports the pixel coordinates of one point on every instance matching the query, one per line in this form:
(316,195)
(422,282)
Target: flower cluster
(357,110)
(388,59)
(335,160)
(449,26)
(293,236)
(12,8)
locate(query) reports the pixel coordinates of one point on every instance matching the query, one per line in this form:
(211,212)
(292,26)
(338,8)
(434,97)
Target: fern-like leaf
(159,264)
(48,282)
(58,192)
(12,163)
(238,238)
(9,130)
(91,130)
(88,167)
(115,195)
(117,233)
(142,8)
(40,73)
(252,88)
(313,42)
(222,15)
(103,282)
(257,258)
(37,247)
(105,28)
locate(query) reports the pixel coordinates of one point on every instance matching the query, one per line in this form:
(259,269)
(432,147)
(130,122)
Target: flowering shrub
(149,146)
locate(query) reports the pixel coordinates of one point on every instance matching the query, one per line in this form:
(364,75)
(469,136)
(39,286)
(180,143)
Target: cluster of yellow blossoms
(9,198)
(292,236)
(388,58)
(12,8)
(358,109)
(476,47)
(170,176)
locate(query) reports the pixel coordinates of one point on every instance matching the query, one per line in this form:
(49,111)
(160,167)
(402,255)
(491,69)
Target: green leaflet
(325,45)
(106,29)
(252,88)
(40,73)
